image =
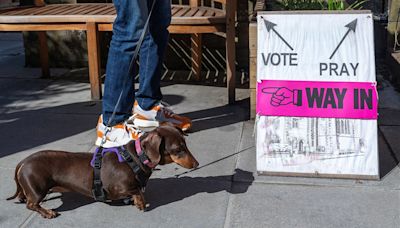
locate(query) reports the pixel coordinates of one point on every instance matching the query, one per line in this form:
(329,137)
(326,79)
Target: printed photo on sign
(322,145)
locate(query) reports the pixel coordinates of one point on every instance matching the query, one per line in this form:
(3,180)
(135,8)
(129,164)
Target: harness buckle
(97,164)
(124,154)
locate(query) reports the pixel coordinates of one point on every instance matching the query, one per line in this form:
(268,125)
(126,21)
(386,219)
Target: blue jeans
(127,28)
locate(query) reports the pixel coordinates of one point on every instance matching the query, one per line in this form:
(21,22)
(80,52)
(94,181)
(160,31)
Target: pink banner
(355,100)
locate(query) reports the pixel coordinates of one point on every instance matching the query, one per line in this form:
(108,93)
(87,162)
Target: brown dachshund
(59,171)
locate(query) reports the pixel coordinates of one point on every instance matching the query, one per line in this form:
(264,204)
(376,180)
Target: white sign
(314,47)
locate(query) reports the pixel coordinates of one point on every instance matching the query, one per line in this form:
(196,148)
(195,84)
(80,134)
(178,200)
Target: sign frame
(316,174)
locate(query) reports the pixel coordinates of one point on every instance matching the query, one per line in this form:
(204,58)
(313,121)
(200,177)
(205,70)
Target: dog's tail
(16,182)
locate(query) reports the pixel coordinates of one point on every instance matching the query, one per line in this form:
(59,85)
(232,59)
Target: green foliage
(321,5)
(302,4)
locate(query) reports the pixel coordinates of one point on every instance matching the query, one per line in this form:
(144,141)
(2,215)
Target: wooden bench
(94,18)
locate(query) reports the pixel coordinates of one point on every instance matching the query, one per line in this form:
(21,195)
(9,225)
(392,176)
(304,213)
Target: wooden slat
(58,10)
(71,10)
(24,12)
(94,11)
(198,20)
(78,9)
(200,12)
(191,12)
(181,12)
(6,10)
(174,10)
(98,11)
(40,27)
(105,27)
(179,29)
(209,13)
(89,9)
(219,14)
(111,11)
(82,9)
(44,10)
(18,11)
(105,10)
(188,29)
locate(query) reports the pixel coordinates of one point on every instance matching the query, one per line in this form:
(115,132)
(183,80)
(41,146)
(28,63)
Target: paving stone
(12,213)
(269,205)
(185,202)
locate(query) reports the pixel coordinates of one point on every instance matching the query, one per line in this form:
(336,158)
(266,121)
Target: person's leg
(127,28)
(148,111)
(152,55)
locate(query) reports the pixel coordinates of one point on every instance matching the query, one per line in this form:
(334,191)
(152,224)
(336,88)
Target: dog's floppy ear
(181,131)
(151,145)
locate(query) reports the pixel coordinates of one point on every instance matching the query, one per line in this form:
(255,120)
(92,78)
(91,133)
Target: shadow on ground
(31,128)
(160,192)
(388,156)
(220,116)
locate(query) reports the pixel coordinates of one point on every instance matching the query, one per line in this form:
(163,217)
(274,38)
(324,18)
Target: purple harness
(108,150)
(123,155)
(142,156)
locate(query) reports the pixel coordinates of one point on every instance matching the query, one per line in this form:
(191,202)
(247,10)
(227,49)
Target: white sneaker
(117,135)
(157,116)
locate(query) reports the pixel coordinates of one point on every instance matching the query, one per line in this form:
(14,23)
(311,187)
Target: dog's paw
(49,214)
(141,206)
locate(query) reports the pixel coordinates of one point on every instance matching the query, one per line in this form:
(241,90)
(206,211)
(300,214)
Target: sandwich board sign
(316,94)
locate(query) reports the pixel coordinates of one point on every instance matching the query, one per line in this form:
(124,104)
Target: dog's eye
(180,154)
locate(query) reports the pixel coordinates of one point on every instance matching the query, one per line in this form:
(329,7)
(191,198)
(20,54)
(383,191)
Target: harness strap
(142,155)
(97,189)
(141,175)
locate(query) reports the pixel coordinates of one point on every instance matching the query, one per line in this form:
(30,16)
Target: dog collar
(142,155)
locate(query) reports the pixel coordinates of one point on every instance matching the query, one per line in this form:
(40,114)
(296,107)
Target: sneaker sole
(145,123)
(107,144)
(150,125)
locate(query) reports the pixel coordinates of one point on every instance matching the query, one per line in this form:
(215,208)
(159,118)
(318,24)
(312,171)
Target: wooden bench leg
(94,60)
(44,54)
(196,55)
(230,62)
(230,50)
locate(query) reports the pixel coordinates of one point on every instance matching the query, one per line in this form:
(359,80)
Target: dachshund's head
(166,144)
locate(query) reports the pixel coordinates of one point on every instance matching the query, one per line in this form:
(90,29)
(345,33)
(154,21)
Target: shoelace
(131,127)
(166,110)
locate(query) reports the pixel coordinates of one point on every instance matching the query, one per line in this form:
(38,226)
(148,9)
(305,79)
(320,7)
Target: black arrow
(270,26)
(351,26)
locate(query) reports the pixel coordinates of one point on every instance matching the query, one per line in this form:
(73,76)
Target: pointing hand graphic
(283,96)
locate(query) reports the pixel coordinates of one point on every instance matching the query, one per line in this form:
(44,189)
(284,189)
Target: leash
(98,191)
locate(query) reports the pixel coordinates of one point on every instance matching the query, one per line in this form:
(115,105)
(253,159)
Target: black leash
(98,191)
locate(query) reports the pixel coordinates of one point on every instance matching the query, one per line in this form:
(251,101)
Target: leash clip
(104,139)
